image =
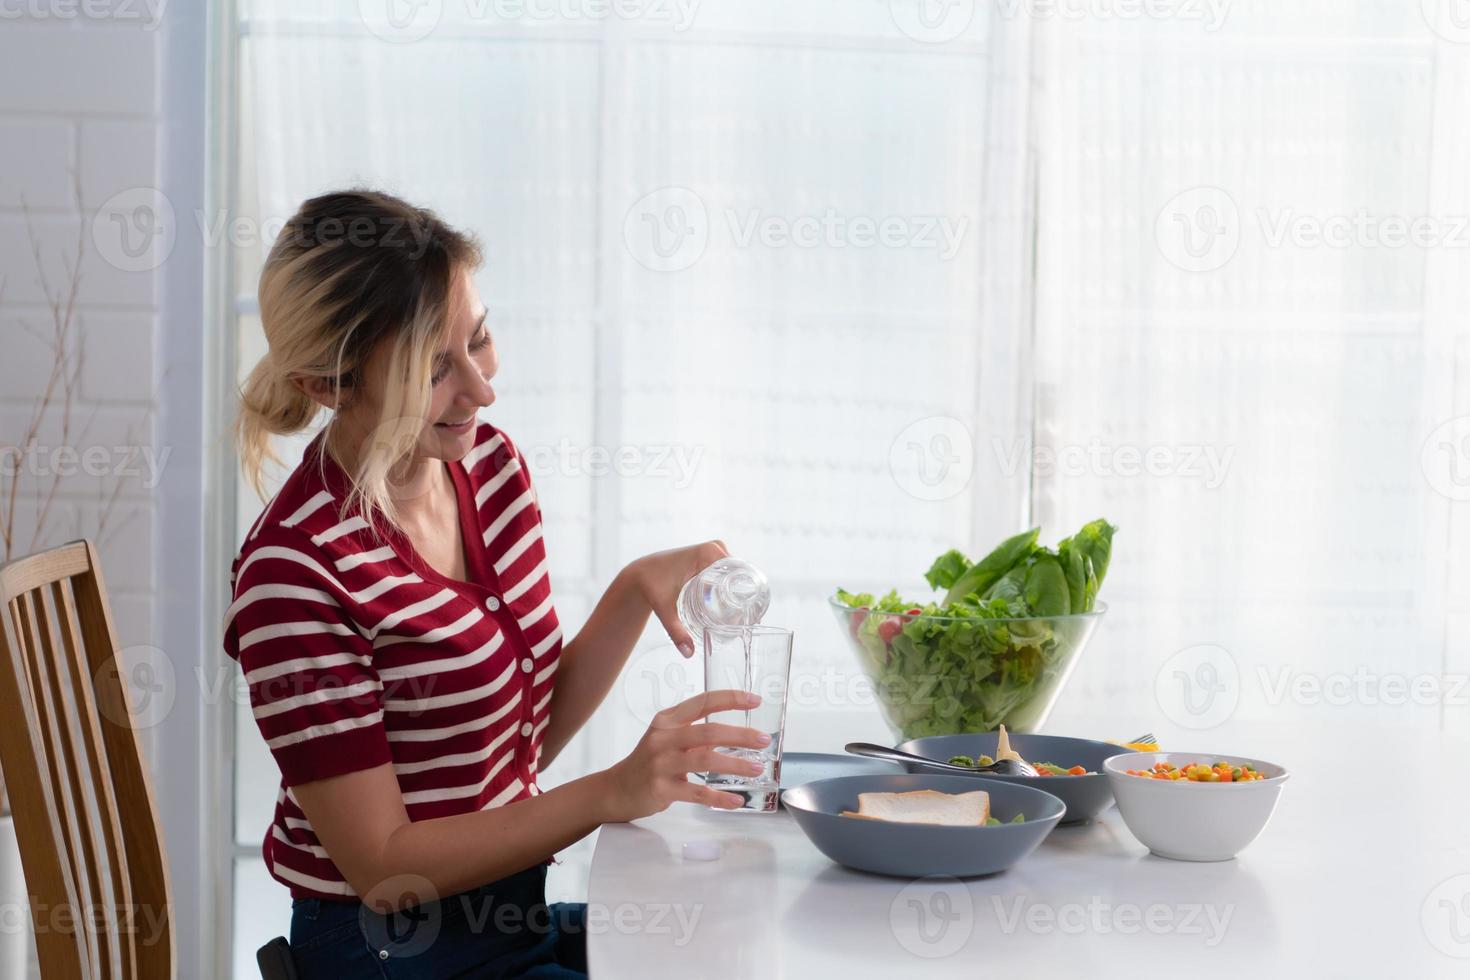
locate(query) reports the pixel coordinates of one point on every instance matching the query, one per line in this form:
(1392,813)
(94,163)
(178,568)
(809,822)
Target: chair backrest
(80,795)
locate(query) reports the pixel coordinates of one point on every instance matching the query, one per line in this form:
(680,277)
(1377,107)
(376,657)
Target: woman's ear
(323,391)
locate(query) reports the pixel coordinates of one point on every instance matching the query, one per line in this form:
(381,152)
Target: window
(847,286)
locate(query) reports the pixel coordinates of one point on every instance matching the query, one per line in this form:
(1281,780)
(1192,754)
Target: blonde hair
(351,270)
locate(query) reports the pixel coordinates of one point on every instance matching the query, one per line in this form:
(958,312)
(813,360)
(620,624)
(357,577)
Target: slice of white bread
(925,806)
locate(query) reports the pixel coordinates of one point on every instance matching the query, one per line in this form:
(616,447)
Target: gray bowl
(913,850)
(800,768)
(1086,796)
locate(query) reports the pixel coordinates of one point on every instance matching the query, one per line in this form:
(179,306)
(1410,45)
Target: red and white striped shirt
(357,652)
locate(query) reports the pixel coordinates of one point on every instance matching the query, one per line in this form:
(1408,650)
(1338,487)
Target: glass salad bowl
(951,675)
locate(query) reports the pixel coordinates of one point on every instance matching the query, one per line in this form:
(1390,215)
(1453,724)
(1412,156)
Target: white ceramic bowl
(1189,821)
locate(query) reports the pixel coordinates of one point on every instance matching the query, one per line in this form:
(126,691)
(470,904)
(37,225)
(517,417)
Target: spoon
(1001,767)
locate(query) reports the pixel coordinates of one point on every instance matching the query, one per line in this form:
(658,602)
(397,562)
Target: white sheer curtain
(840,275)
(1223,281)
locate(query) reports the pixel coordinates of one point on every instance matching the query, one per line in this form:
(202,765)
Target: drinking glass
(755,659)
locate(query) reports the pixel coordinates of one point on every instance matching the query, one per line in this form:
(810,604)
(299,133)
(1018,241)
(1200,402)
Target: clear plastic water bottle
(729,592)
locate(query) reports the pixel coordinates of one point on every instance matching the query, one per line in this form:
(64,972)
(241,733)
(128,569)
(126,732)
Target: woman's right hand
(656,773)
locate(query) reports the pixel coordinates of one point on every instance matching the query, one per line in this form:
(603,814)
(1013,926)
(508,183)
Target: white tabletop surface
(1364,871)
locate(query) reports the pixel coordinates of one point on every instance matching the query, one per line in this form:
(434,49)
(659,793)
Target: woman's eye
(442,370)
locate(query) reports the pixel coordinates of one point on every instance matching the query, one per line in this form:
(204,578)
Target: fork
(1004,767)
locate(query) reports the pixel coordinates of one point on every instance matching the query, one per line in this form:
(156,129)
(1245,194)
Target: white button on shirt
(492,603)
(526,664)
(526,729)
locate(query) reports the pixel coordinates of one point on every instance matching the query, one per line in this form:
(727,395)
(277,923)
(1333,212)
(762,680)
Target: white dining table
(1363,871)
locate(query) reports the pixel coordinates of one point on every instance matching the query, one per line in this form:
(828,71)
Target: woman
(393,616)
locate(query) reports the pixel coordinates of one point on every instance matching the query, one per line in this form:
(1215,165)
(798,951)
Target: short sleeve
(315,694)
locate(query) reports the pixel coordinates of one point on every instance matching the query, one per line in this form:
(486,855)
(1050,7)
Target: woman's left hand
(660,577)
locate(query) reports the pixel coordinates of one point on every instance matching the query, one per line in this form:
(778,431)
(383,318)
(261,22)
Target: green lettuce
(992,644)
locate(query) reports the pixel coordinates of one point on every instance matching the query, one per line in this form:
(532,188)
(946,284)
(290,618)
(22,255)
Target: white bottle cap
(702,850)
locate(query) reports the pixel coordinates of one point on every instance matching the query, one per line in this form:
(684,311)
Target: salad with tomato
(995,640)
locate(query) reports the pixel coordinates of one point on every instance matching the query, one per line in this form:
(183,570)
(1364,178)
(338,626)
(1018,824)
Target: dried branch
(57,403)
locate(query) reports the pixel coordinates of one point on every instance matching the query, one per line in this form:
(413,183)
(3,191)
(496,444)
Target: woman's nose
(481,391)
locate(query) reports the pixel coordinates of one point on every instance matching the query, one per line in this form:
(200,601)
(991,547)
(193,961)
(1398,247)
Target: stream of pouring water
(745,637)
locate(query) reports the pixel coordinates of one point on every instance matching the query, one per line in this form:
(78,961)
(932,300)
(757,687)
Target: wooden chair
(84,812)
(274,960)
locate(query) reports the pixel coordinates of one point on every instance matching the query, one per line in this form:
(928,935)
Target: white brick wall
(79,106)
(80,68)
(38,153)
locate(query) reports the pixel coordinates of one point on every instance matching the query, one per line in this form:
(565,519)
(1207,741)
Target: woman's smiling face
(460,381)
(461,378)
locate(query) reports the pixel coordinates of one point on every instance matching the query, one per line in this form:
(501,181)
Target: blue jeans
(503,929)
